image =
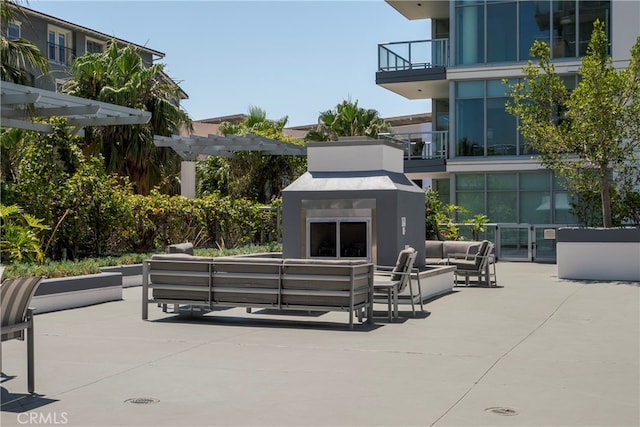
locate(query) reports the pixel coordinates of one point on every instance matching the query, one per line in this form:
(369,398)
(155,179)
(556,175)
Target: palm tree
(119,76)
(347,119)
(251,174)
(19,56)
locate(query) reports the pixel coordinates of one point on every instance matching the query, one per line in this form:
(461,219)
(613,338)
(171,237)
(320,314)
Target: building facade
(61,42)
(481,162)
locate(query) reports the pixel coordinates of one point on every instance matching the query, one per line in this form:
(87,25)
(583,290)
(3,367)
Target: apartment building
(61,42)
(478,159)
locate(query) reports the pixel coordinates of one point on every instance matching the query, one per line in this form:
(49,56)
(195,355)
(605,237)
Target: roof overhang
(20,105)
(193,146)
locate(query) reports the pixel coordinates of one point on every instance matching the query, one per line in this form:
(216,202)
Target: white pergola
(21,106)
(191,148)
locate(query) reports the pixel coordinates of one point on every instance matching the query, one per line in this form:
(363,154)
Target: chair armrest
(461,255)
(383,270)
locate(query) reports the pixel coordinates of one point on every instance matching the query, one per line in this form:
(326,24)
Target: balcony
(423,9)
(414,69)
(60,54)
(423,151)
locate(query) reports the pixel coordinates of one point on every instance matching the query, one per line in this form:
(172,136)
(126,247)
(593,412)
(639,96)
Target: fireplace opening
(338,238)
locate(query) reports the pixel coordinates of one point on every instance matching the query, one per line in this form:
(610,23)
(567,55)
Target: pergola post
(188,179)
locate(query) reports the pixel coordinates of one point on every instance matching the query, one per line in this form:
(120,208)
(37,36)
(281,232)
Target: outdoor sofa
(471,258)
(252,282)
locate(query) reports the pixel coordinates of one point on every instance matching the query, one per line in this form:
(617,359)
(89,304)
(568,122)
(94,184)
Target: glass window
(442,187)
(564,29)
(502,29)
(470,35)
(473,89)
(535,207)
(535,181)
(473,202)
(589,11)
(13,31)
(52,46)
(502,206)
(502,181)
(470,127)
(94,46)
(62,57)
(535,24)
(502,129)
(470,181)
(497,87)
(562,208)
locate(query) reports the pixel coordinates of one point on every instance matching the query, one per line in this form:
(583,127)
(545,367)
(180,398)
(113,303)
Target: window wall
(495,31)
(513,197)
(483,127)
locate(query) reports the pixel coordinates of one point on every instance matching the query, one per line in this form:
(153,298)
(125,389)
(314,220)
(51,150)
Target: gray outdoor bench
(255,282)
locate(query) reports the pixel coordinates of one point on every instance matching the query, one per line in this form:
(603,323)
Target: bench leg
(31,381)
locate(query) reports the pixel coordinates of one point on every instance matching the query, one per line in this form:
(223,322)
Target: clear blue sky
(290,58)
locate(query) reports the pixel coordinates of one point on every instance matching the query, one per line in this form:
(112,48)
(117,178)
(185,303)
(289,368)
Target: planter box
(599,253)
(435,280)
(131,274)
(77,291)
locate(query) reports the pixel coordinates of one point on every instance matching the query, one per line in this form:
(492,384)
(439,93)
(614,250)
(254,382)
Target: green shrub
(53,269)
(21,236)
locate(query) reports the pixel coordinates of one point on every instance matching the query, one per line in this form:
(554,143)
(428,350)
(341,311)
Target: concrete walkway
(537,351)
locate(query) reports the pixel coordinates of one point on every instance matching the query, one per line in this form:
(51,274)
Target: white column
(188,179)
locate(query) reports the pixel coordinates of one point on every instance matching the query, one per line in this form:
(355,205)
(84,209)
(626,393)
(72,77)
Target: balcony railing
(421,145)
(60,54)
(411,55)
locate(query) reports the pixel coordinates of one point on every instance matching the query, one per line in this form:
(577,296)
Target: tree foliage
(589,136)
(253,175)
(347,119)
(19,57)
(120,76)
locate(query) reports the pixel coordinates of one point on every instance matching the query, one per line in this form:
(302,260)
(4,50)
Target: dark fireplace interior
(338,238)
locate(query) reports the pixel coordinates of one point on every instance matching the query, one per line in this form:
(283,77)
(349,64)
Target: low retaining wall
(434,281)
(599,254)
(78,291)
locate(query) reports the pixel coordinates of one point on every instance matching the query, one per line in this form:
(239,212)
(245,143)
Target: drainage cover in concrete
(501,410)
(142,400)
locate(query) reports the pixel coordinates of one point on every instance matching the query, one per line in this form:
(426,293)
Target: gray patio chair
(474,265)
(391,281)
(17,316)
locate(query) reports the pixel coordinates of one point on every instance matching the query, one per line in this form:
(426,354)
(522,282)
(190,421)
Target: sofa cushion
(433,249)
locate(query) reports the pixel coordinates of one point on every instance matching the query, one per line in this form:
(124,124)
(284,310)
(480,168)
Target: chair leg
(30,354)
(413,306)
(389,310)
(395,301)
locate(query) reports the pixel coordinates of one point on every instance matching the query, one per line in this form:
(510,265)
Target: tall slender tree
(119,76)
(589,135)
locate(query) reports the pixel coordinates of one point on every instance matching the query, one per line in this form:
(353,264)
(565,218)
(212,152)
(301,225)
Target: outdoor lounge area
(537,351)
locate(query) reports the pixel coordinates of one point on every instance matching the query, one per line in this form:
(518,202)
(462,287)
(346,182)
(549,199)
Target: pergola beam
(21,104)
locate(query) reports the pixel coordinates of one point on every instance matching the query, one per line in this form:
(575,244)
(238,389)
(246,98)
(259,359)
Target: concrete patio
(536,351)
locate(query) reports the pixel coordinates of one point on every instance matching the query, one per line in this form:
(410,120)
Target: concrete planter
(131,274)
(77,291)
(434,281)
(599,253)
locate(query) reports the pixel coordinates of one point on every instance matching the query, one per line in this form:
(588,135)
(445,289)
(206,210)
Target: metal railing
(60,54)
(417,54)
(421,145)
